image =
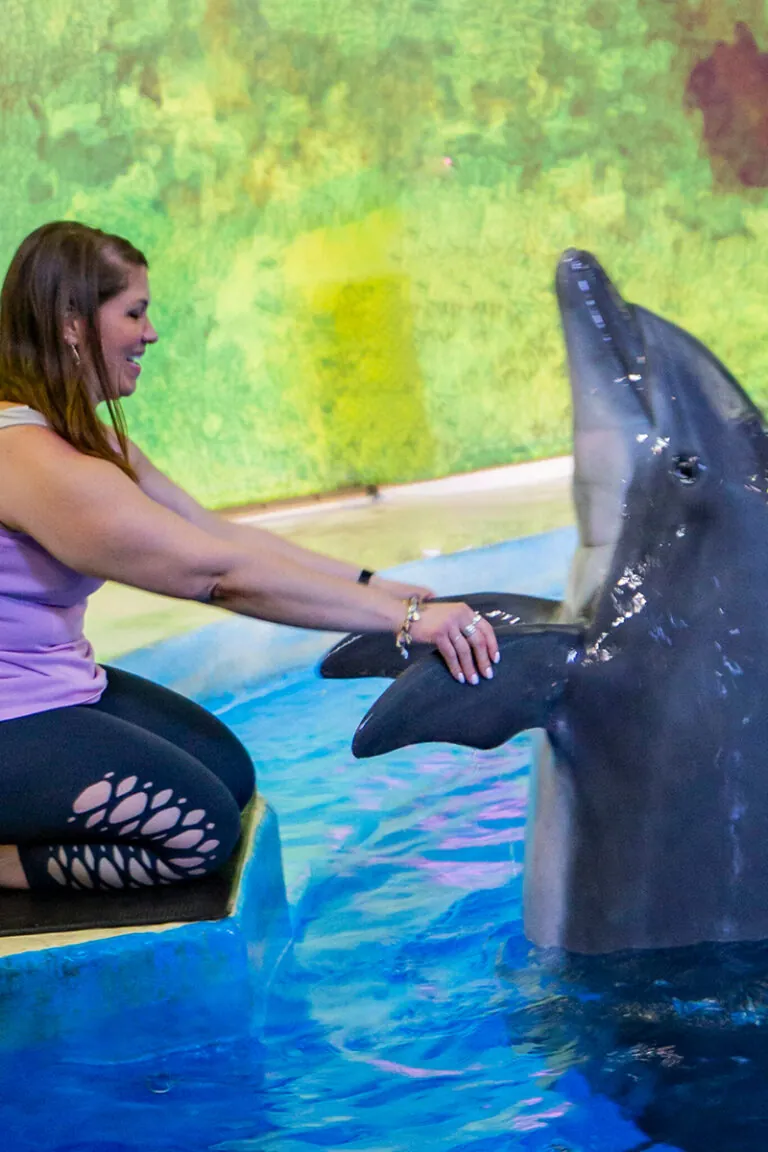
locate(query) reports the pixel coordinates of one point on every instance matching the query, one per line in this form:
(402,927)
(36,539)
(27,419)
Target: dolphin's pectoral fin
(427,704)
(375,654)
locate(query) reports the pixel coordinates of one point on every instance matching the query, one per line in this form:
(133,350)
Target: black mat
(29,913)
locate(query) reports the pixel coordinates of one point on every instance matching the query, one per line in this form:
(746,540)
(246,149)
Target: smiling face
(125,331)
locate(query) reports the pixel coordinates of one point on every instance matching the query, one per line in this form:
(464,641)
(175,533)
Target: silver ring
(470,629)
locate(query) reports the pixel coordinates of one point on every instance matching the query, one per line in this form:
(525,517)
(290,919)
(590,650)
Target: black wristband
(364,576)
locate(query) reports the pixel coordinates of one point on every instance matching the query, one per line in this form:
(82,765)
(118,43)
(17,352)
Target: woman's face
(125,332)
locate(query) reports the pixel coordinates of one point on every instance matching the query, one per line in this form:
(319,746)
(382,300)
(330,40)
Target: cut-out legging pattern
(142,788)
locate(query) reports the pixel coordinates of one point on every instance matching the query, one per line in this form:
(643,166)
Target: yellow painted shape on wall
(357,251)
(355,313)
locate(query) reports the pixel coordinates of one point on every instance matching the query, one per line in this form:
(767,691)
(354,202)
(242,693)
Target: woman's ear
(72,330)
(72,334)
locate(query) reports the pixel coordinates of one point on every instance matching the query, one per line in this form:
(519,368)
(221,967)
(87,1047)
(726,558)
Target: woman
(107,780)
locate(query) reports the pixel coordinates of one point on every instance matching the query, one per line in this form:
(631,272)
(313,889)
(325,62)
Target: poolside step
(155,983)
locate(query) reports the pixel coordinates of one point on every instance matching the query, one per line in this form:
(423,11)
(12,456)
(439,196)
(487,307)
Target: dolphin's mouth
(611,414)
(588,296)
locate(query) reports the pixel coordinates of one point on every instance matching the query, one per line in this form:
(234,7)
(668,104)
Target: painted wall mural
(353,211)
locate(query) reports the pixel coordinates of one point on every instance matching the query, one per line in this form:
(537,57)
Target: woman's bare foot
(11,871)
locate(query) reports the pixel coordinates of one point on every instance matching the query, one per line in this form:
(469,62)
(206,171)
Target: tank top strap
(21,414)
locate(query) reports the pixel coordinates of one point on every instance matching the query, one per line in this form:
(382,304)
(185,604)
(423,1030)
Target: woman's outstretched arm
(92,517)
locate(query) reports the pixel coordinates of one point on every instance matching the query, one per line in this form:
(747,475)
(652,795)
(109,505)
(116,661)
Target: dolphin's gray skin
(649,821)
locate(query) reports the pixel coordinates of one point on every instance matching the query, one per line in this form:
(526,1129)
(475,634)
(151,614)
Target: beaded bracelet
(404,637)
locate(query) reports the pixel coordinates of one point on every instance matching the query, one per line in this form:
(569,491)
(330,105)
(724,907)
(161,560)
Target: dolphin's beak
(611,415)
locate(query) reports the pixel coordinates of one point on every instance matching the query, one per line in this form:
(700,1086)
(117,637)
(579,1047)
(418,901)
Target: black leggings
(142,788)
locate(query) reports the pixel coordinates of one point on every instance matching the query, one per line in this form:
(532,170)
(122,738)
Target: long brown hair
(61,270)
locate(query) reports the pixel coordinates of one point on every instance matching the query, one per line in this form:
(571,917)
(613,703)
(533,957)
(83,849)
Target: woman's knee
(241,773)
(184,723)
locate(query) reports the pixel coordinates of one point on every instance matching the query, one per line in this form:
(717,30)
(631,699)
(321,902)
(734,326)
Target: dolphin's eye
(687,469)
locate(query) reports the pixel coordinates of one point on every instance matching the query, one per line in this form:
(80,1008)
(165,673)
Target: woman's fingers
(486,636)
(486,648)
(474,653)
(447,649)
(464,639)
(470,659)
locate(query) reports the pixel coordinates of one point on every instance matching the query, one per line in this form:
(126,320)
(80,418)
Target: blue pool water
(412,1015)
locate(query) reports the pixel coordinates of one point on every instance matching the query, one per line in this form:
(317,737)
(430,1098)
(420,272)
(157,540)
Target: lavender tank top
(45,660)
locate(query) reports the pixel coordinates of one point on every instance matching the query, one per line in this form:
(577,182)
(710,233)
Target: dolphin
(648,825)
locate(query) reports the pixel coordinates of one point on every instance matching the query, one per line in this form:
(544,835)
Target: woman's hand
(400,591)
(464,639)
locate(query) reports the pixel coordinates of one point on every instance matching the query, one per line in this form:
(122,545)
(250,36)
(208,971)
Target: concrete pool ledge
(124,993)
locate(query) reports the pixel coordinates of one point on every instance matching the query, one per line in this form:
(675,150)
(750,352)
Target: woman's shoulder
(26,438)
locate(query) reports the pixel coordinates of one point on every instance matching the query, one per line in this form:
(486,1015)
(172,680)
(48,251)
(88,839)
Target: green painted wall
(353,210)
